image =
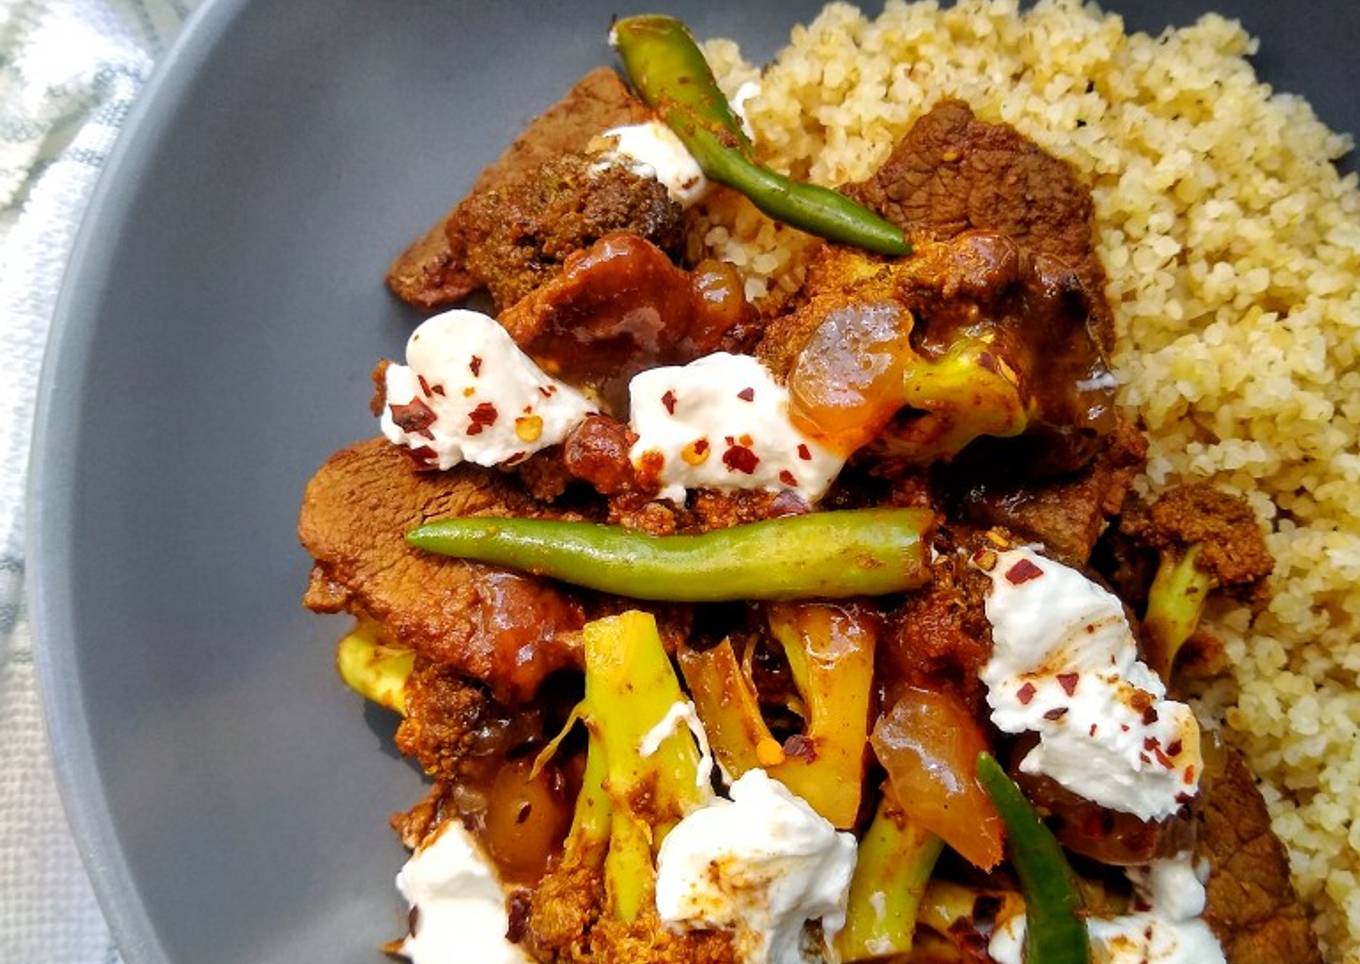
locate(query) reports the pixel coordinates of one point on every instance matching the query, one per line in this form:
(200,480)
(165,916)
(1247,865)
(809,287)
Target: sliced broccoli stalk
(896,859)
(830,650)
(374,671)
(588,839)
(1175,604)
(630,688)
(948,907)
(726,702)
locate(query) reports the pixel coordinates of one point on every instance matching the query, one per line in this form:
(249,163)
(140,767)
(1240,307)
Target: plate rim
(53,465)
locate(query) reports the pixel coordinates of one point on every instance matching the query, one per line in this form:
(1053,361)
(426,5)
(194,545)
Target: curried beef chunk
(619,307)
(519,234)
(952,173)
(507,630)
(456,731)
(940,638)
(441,268)
(1068,513)
(596,452)
(1251,906)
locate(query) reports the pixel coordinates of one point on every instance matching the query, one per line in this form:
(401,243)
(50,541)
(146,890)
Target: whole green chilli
(670,74)
(1054,932)
(857,552)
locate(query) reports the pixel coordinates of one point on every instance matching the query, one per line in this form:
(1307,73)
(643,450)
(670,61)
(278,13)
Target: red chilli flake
(424,385)
(747,394)
(1068,681)
(1094,729)
(482,416)
(650,466)
(801,747)
(1149,716)
(475,366)
(787,478)
(1189,774)
(1174,748)
(1151,743)
(669,401)
(1025,694)
(548,392)
(1163,759)
(414,417)
(425,457)
(1057,713)
(738,458)
(804,452)
(437,389)
(1023,571)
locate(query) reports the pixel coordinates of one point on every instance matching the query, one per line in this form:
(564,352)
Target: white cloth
(69,70)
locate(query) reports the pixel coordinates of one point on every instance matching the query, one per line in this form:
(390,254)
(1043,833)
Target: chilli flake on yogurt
(1065,665)
(467,393)
(722,422)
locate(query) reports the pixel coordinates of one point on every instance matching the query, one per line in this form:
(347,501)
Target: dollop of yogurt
(1169,931)
(467,393)
(653,150)
(743,95)
(1065,665)
(681,711)
(761,864)
(722,422)
(458,910)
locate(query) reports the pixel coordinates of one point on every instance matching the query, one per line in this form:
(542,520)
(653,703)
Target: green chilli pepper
(1054,932)
(671,75)
(858,552)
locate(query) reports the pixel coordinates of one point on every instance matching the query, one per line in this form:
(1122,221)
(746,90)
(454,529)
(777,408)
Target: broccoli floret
(1206,540)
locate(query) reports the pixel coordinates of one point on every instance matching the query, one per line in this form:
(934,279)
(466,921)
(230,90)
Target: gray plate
(223,308)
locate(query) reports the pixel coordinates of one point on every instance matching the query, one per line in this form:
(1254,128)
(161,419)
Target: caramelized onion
(526,819)
(929,744)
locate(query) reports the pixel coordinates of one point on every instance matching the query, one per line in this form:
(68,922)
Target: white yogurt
(468,394)
(681,711)
(1065,665)
(459,908)
(722,422)
(761,865)
(744,93)
(1170,931)
(652,149)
